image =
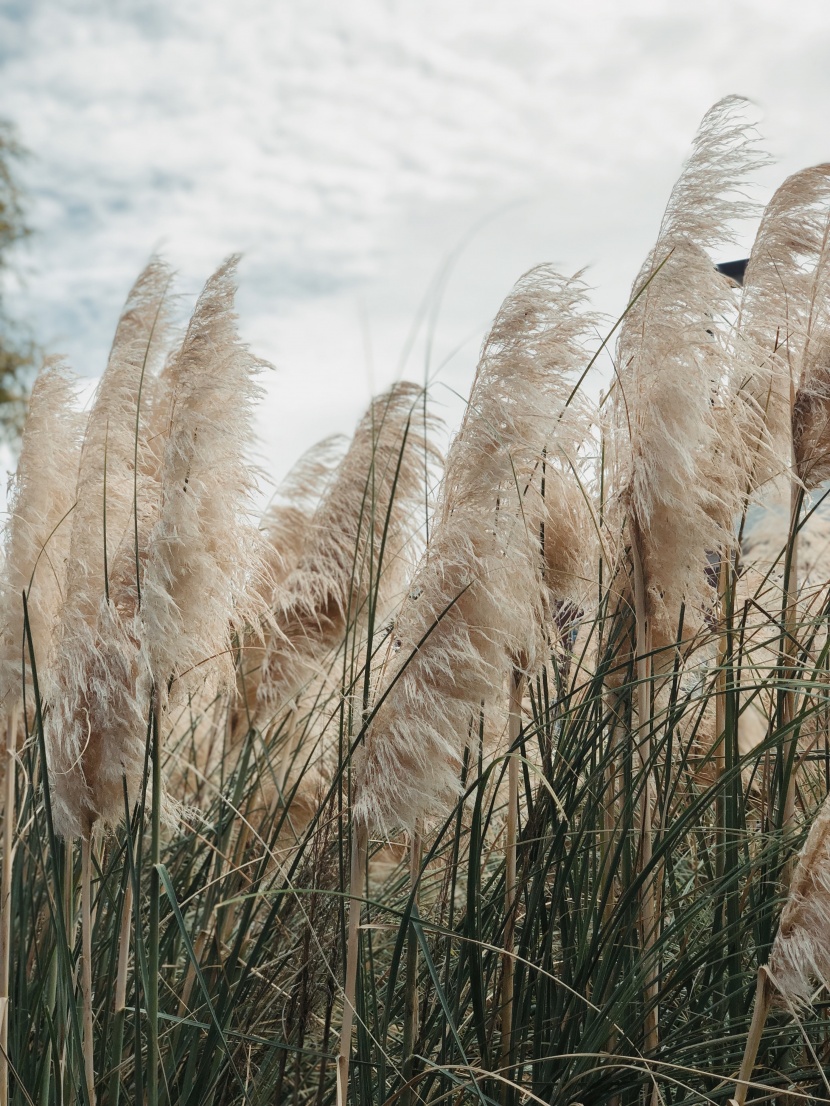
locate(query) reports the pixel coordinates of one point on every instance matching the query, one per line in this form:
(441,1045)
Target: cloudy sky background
(349,149)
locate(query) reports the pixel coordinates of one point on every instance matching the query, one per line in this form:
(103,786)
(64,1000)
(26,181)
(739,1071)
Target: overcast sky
(347,147)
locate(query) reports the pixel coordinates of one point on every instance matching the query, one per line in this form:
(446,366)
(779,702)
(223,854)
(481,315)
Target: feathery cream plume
(811,417)
(96,686)
(811,407)
(476,603)
(286,526)
(781,305)
(288,520)
(204,556)
(370,510)
(673,362)
(800,957)
(37,534)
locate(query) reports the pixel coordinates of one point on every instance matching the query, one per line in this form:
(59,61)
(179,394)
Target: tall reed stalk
(9,811)
(357,879)
(517,681)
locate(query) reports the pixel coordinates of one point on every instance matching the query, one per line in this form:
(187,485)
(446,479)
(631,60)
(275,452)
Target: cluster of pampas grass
(95,683)
(161,556)
(434,670)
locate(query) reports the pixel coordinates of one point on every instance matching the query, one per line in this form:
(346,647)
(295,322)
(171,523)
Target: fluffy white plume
(476,605)
(682,476)
(37,534)
(783,316)
(204,550)
(287,522)
(372,509)
(96,688)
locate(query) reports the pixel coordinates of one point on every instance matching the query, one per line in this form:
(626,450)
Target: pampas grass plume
(476,604)
(205,553)
(287,521)
(95,686)
(800,957)
(370,509)
(782,305)
(682,479)
(37,534)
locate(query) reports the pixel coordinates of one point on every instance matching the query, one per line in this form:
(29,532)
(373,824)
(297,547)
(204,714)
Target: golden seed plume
(476,604)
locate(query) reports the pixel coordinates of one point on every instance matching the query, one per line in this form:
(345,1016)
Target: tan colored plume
(682,477)
(286,525)
(205,552)
(37,534)
(800,957)
(783,319)
(360,544)
(97,688)
(476,604)
(287,522)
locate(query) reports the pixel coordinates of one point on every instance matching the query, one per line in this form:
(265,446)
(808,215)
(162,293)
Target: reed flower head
(800,957)
(41,498)
(682,476)
(476,605)
(288,520)
(97,689)
(285,526)
(783,320)
(204,551)
(360,543)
